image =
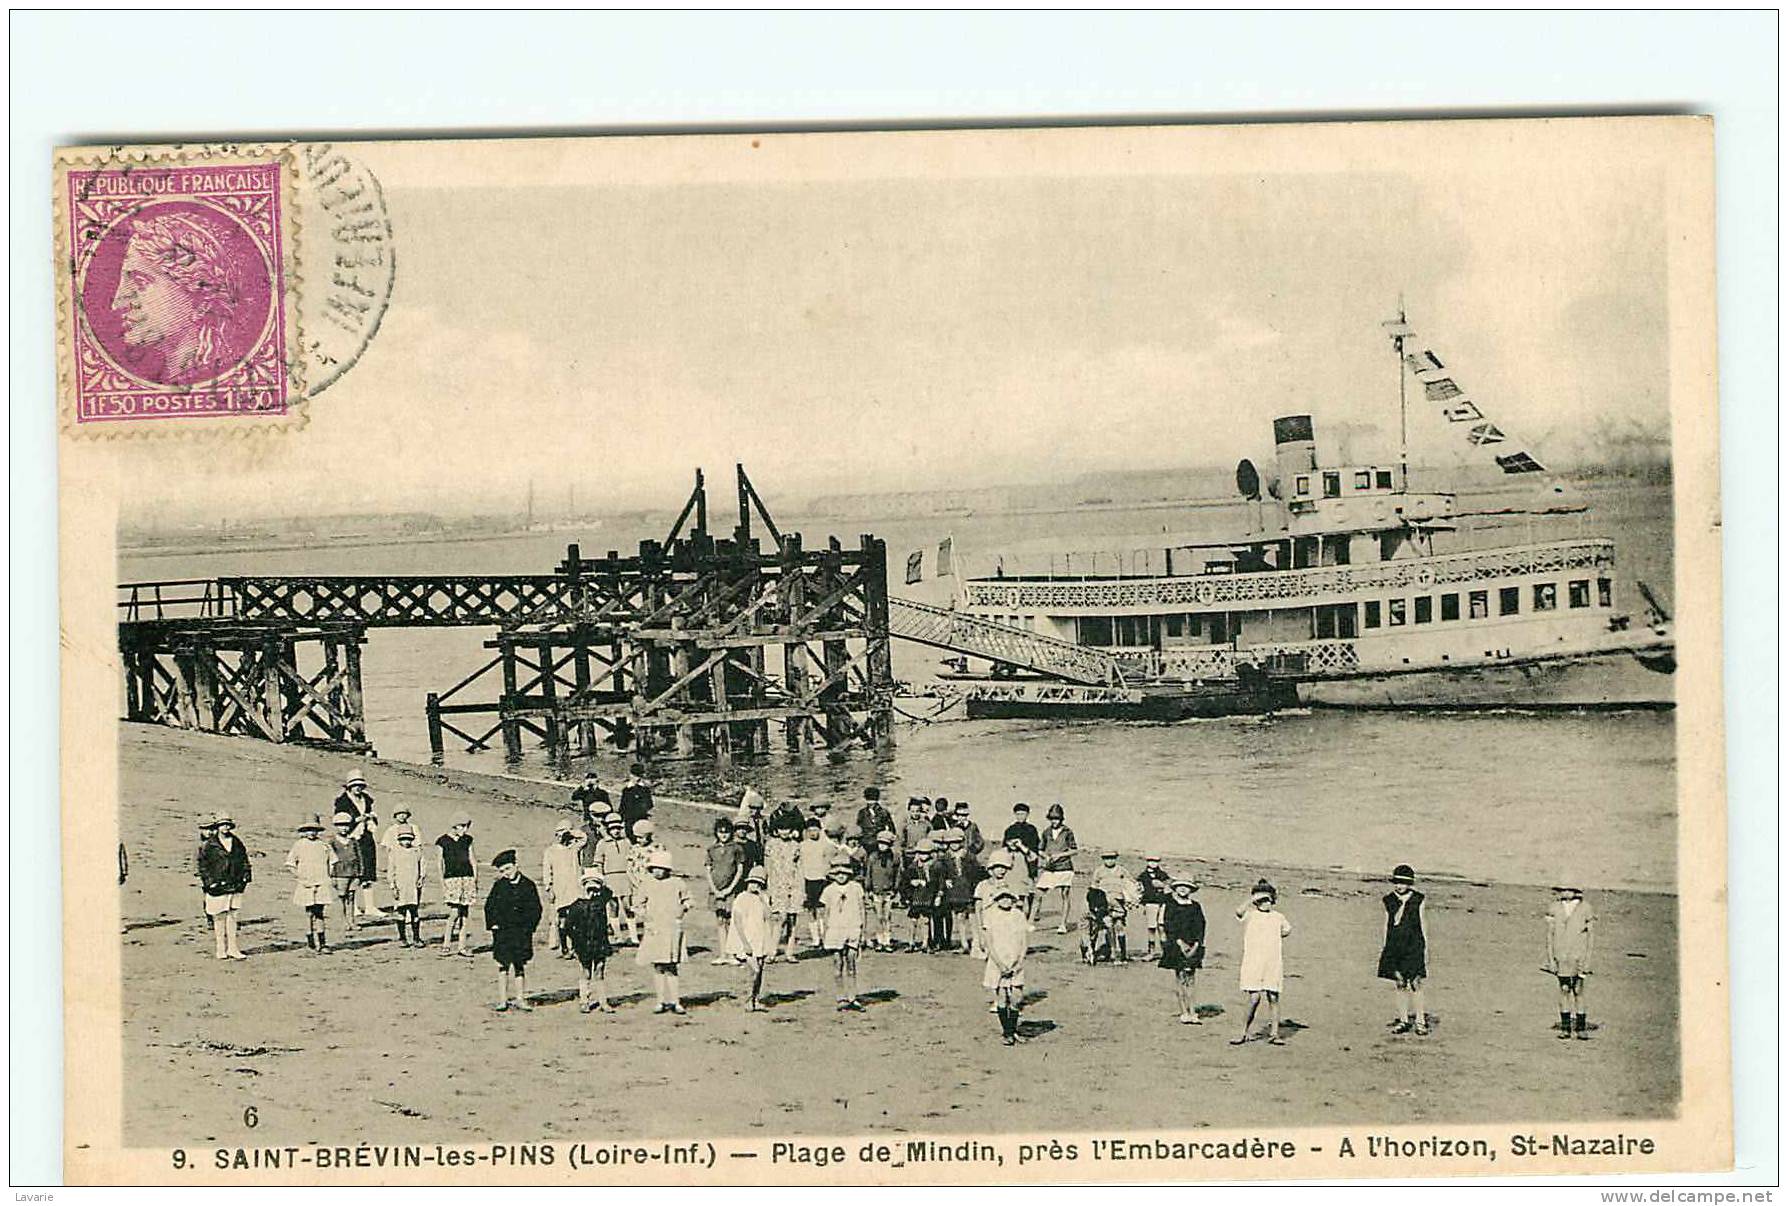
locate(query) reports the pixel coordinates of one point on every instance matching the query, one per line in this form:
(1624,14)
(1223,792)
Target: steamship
(1351,591)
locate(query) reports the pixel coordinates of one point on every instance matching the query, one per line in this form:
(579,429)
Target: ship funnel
(1294,444)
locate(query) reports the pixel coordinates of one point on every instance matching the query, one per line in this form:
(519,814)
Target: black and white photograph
(989,655)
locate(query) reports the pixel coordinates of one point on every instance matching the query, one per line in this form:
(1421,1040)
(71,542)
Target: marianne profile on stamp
(179,289)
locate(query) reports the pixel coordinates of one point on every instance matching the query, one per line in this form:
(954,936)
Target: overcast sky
(974,324)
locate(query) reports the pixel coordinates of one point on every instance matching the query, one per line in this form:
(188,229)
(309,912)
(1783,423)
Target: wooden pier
(695,646)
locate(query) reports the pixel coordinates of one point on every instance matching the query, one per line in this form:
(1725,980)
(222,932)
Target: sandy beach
(381,1042)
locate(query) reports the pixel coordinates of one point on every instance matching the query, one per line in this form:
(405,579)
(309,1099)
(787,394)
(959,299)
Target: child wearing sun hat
(663,902)
(1182,944)
(405,873)
(1404,957)
(752,937)
(225,874)
(585,925)
(459,883)
(842,900)
(1264,930)
(1570,949)
(1006,941)
(310,862)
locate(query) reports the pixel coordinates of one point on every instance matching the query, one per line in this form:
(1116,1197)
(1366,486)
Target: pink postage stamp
(177,292)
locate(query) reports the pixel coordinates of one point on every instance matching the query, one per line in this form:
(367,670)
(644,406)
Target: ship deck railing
(1295,587)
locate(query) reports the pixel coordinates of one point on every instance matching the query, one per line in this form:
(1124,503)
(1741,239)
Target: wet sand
(383,1043)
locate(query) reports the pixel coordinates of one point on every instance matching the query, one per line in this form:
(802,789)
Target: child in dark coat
(512,914)
(585,924)
(1404,959)
(1182,944)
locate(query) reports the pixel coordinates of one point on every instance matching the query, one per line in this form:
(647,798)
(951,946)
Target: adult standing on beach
(459,883)
(357,802)
(511,914)
(636,797)
(1056,851)
(1404,959)
(225,873)
(1182,944)
(1022,829)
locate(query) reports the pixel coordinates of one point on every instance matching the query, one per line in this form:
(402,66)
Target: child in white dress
(752,937)
(841,934)
(1264,929)
(1006,937)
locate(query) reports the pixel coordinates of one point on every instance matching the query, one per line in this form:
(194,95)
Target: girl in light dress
(752,937)
(782,868)
(311,862)
(1264,929)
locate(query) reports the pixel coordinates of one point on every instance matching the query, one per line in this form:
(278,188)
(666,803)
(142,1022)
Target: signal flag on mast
(1455,407)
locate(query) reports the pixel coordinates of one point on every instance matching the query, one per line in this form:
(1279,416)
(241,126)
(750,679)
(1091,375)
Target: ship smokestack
(1294,445)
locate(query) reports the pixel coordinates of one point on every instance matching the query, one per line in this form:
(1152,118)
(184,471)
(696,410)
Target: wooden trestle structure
(697,645)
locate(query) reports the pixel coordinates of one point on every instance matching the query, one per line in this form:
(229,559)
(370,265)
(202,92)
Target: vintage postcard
(1098,654)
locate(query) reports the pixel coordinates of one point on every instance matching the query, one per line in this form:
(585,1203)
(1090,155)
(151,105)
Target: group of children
(609,876)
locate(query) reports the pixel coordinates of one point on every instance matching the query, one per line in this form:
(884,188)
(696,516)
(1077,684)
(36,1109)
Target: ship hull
(1620,679)
(1032,700)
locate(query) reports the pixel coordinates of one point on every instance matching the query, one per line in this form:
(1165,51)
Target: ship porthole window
(1372,613)
(1396,612)
(1580,593)
(1449,607)
(1604,592)
(1508,601)
(1545,596)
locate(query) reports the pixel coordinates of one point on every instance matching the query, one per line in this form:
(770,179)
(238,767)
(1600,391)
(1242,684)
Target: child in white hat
(311,861)
(752,936)
(1570,949)
(560,881)
(1006,940)
(405,872)
(642,845)
(585,925)
(663,903)
(1264,930)
(1182,945)
(225,874)
(842,900)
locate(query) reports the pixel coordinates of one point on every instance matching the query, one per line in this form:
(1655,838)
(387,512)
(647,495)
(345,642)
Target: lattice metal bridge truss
(695,645)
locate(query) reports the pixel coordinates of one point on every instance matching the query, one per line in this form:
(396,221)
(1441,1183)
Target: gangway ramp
(958,632)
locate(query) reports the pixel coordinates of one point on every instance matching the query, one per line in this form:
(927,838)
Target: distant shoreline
(324,544)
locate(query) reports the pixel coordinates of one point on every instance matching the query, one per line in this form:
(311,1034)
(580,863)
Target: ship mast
(1402,395)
